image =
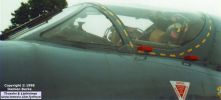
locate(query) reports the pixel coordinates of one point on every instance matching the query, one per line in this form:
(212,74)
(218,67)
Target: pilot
(181,20)
(172,34)
(176,31)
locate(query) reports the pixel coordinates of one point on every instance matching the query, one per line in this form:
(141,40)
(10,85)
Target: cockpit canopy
(158,28)
(161,27)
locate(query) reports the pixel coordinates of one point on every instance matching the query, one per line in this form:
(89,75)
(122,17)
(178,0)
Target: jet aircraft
(96,51)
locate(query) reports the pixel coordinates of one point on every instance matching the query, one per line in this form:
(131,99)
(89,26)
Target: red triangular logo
(180,88)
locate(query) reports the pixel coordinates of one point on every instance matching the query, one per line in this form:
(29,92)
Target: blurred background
(213,7)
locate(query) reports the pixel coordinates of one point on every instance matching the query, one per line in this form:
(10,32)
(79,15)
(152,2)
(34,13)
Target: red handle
(145,48)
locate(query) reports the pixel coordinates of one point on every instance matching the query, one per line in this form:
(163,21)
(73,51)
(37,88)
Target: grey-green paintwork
(65,72)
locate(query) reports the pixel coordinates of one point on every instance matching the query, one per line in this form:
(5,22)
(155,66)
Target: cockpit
(158,28)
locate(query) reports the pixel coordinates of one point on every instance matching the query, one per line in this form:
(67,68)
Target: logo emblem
(180,88)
